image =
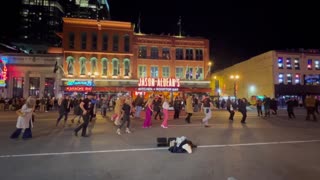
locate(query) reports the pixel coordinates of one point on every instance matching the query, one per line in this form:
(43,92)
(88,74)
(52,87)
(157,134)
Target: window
(309,66)
(126,67)
(49,87)
(104,66)
(142,52)
(142,71)
(296,64)
(94,41)
(165,71)
(189,54)
(316,65)
(179,72)
(34,88)
(115,67)
(289,79)
(199,54)
(105,42)
(70,65)
(154,71)
(18,83)
(280,63)
(199,73)
(93,65)
(71,40)
(312,79)
(126,43)
(154,53)
(83,40)
(83,66)
(280,78)
(297,79)
(288,63)
(189,73)
(165,53)
(115,43)
(179,54)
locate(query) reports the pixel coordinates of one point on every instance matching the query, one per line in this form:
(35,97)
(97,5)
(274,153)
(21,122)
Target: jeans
(208,115)
(138,111)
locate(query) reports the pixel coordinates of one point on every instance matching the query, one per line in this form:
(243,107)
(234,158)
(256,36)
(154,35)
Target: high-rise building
(88,9)
(40,20)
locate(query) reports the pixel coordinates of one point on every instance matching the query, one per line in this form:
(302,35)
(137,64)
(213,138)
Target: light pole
(235,78)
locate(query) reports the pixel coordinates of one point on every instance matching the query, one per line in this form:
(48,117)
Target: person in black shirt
(126,111)
(86,107)
(64,109)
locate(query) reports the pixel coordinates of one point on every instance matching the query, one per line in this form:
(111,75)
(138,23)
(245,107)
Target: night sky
(236,29)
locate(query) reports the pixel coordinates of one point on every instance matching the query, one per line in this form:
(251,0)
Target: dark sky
(236,29)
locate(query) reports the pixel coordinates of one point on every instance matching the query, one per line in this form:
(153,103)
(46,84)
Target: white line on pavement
(156,149)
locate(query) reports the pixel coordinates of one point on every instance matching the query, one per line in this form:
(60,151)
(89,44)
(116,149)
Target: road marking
(155,149)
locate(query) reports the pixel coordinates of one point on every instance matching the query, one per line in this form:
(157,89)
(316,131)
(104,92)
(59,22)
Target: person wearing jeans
(206,107)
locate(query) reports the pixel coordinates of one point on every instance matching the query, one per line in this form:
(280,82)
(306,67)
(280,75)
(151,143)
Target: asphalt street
(275,148)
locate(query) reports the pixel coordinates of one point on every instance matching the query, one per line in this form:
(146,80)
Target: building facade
(25,75)
(275,74)
(108,57)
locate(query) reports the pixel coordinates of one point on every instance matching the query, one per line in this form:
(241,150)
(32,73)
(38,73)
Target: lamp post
(235,78)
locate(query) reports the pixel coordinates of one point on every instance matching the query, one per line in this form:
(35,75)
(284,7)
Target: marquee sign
(3,73)
(159,82)
(78,88)
(78,83)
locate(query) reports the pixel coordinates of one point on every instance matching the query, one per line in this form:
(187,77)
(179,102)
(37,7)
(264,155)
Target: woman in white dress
(24,121)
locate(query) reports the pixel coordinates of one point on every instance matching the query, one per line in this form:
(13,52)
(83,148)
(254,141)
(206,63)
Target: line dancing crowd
(125,108)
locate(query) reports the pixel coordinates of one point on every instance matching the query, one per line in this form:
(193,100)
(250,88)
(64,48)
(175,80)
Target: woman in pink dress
(148,108)
(165,110)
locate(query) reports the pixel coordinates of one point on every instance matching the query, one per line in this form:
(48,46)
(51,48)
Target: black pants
(65,114)
(188,117)
(244,116)
(231,114)
(176,114)
(311,111)
(26,135)
(125,118)
(259,110)
(84,125)
(291,113)
(158,113)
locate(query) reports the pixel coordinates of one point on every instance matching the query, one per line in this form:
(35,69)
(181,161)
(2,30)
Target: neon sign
(78,89)
(3,73)
(157,89)
(159,82)
(78,83)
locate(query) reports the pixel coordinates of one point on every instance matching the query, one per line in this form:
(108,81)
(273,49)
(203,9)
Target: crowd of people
(155,107)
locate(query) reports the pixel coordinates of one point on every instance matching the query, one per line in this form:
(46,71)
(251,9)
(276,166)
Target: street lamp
(235,78)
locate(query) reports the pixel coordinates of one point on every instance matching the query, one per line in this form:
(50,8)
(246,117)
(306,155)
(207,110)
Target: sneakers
(128,131)
(118,132)
(163,126)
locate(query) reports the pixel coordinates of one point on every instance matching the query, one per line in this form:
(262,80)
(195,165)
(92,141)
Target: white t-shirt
(165,105)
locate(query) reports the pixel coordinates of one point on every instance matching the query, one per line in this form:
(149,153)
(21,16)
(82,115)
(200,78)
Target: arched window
(83,67)
(126,63)
(104,62)
(126,43)
(93,62)
(115,41)
(115,67)
(70,65)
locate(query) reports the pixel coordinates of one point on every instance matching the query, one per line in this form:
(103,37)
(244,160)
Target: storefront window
(154,72)
(142,71)
(49,87)
(104,66)
(18,83)
(34,86)
(179,72)
(312,79)
(199,73)
(165,71)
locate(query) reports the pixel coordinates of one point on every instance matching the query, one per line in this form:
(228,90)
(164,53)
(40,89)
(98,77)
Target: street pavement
(275,148)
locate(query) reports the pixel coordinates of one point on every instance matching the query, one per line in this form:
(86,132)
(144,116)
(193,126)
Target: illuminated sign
(78,89)
(159,82)
(3,73)
(157,89)
(78,83)
(2,83)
